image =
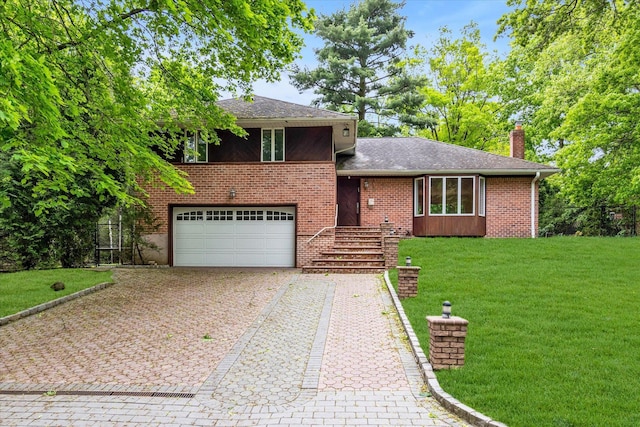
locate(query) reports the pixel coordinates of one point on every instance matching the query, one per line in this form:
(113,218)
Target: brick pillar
(390,249)
(386,228)
(446,341)
(408,281)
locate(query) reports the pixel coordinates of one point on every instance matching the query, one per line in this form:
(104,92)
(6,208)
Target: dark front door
(349,201)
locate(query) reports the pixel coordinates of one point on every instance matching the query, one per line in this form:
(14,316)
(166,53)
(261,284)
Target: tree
(577,66)
(363,51)
(89,89)
(457,104)
(93,95)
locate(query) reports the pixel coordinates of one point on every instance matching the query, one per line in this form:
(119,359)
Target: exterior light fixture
(345,131)
(232,193)
(407,261)
(518,124)
(366,184)
(386,218)
(446,310)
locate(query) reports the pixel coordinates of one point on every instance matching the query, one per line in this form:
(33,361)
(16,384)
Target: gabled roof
(267,108)
(419,156)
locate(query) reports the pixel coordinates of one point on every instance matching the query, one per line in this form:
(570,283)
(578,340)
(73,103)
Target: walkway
(211,347)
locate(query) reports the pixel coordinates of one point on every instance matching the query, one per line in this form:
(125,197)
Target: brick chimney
(516,141)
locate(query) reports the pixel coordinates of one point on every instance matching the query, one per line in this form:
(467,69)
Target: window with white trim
(482,198)
(451,195)
(418,197)
(272,145)
(196,149)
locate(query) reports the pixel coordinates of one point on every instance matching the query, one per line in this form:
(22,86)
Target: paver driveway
(280,349)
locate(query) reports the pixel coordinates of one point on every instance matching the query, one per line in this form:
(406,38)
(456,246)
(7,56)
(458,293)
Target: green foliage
(367,129)
(553,331)
(573,77)
(360,64)
(94,96)
(86,87)
(458,103)
(62,236)
(25,289)
(141,221)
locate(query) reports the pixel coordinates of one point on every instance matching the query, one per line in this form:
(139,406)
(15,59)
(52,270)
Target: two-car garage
(234,236)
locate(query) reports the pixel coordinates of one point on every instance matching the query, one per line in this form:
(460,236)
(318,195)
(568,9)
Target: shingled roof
(420,156)
(267,108)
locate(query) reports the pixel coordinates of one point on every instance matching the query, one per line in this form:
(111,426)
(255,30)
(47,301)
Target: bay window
(482,196)
(451,195)
(418,194)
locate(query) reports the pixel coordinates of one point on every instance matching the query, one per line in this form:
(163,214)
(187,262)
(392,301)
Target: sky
(424,17)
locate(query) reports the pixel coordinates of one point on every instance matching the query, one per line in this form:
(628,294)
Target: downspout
(533,205)
(345,149)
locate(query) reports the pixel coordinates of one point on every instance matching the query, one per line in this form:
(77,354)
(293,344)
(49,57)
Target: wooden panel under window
(233,148)
(448,226)
(308,144)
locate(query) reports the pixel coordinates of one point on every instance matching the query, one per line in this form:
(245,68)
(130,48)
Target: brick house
(280,196)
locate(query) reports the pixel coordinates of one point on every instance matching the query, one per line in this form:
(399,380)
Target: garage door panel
(279,244)
(279,228)
(190,258)
(251,228)
(243,237)
(190,244)
(189,227)
(219,244)
(250,244)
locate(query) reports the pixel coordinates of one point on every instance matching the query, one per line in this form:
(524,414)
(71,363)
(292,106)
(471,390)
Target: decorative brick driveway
(282,349)
(145,331)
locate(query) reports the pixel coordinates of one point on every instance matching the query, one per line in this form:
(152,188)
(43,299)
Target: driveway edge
(450,403)
(47,305)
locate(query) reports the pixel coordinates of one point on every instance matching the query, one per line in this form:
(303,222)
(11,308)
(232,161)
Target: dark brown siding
(453,225)
(419,226)
(233,148)
(308,144)
(301,144)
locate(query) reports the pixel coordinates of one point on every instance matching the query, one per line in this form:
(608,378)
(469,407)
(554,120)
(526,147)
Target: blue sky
(424,17)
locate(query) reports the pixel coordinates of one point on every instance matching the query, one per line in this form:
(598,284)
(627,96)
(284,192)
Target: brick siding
(310,186)
(392,197)
(508,204)
(509,207)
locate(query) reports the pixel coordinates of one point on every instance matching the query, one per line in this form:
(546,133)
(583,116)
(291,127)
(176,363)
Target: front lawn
(554,325)
(25,289)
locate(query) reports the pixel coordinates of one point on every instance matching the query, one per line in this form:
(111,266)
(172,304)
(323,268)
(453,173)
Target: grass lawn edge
(50,304)
(449,402)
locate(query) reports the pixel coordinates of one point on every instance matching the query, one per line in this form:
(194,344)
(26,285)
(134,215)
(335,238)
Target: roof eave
(544,173)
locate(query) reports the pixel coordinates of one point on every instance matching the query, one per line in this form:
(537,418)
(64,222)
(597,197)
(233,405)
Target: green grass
(554,325)
(25,289)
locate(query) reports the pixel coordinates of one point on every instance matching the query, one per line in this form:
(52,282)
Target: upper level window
(196,149)
(272,145)
(451,195)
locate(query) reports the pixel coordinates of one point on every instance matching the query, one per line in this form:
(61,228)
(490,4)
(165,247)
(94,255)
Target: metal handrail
(335,224)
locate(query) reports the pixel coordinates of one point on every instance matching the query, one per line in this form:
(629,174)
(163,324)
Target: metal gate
(109,241)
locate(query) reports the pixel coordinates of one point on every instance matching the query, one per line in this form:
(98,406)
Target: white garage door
(234,237)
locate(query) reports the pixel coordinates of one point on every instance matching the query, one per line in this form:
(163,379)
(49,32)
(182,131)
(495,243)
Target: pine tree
(363,52)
